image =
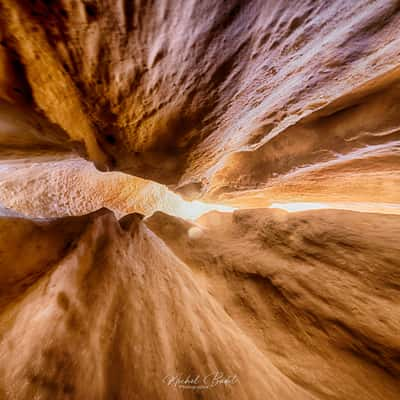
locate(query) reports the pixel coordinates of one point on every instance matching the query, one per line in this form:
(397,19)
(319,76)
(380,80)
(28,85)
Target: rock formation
(121,122)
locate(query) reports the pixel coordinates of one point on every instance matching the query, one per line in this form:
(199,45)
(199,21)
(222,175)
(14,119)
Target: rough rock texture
(220,97)
(109,302)
(114,308)
(43,175)
(242,103)
(318,292)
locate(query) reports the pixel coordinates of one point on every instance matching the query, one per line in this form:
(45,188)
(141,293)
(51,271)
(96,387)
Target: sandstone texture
(110,301)
(216,98)
(99,309)
(145,147)
(316,291)
(43,174)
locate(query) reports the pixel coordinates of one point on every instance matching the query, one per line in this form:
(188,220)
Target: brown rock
(244,104)
(220,98)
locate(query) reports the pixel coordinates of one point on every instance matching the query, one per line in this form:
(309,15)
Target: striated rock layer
(115,308)
(128,105)
(43,174)
(215,98)
(316,291)
(112,300)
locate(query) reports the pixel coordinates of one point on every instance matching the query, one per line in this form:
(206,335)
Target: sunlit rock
(158,161)
(217,99)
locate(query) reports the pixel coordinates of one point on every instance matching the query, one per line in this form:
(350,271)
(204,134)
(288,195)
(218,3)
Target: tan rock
(129,105)
(220,98)
(116,300)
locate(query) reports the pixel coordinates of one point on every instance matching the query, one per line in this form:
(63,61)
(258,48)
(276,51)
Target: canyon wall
(117,118)
(216,99)
(101,309)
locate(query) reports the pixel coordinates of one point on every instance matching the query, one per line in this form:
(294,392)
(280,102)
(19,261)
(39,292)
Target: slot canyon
(199,199)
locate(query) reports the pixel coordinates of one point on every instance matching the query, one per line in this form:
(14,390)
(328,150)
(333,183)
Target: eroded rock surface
(317,291)
(117,307)
(245,104)
(43,174)
(216,98)
(114,300)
